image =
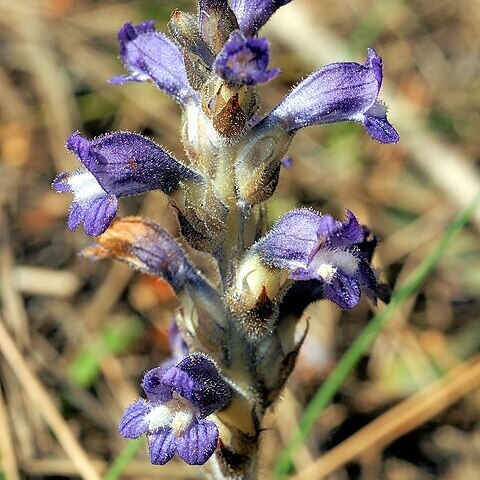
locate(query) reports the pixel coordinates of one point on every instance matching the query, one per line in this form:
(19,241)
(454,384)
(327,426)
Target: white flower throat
(326,263)
(178,414)
(85,186)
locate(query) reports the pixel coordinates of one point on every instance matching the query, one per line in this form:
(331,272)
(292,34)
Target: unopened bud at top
(257,164)
(197,55)
(217,22)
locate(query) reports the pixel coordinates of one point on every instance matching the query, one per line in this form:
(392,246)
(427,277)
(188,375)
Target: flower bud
(198,57)
(258,160)
(217,22)
(229,107)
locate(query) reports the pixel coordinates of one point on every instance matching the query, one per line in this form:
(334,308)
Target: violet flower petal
(294,237)
(199,443)
(60,184)
(75,216)
(91,205)
(154,386)
(342,290)
(95,211)
(133,422)
(377,126)
(163,257)
(339,92)
(161,445)
(98,214)
(298,235)
(150,55)
(126,163)
(345,233)
(253,14)
(116,165)
(244,61)
(196,379)
(147,247)
(367,280)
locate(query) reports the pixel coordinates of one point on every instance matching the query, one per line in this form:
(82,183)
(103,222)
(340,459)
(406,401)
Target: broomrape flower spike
(238,326)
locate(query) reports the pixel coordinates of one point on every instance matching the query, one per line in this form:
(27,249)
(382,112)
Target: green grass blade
(328,389)
(123,459)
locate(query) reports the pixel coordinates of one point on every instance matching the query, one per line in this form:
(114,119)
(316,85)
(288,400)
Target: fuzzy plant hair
(234,343)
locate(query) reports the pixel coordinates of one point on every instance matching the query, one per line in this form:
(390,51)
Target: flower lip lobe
(199,443)
(161,446)
(133,423)
(60,183)
(92,205)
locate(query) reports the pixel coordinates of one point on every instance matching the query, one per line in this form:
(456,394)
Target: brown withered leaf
(118,240)
(230,120)
(221,104)
(144,246)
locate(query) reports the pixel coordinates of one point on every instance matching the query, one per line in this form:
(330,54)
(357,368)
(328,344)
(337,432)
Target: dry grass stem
(136,470)
(7,452)
(42,400)
(404,417)
(43,281)
(14,308)
(287,415)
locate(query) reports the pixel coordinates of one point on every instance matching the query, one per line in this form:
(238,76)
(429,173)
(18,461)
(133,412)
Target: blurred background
(78,336)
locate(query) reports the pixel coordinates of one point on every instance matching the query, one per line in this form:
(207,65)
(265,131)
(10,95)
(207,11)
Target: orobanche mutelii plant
(233,345)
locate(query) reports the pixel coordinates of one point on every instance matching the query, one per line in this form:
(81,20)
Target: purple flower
(150,55)
(339,92)
(245,61)
(253,14)
(313,246)
(115,165)
(174,417)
